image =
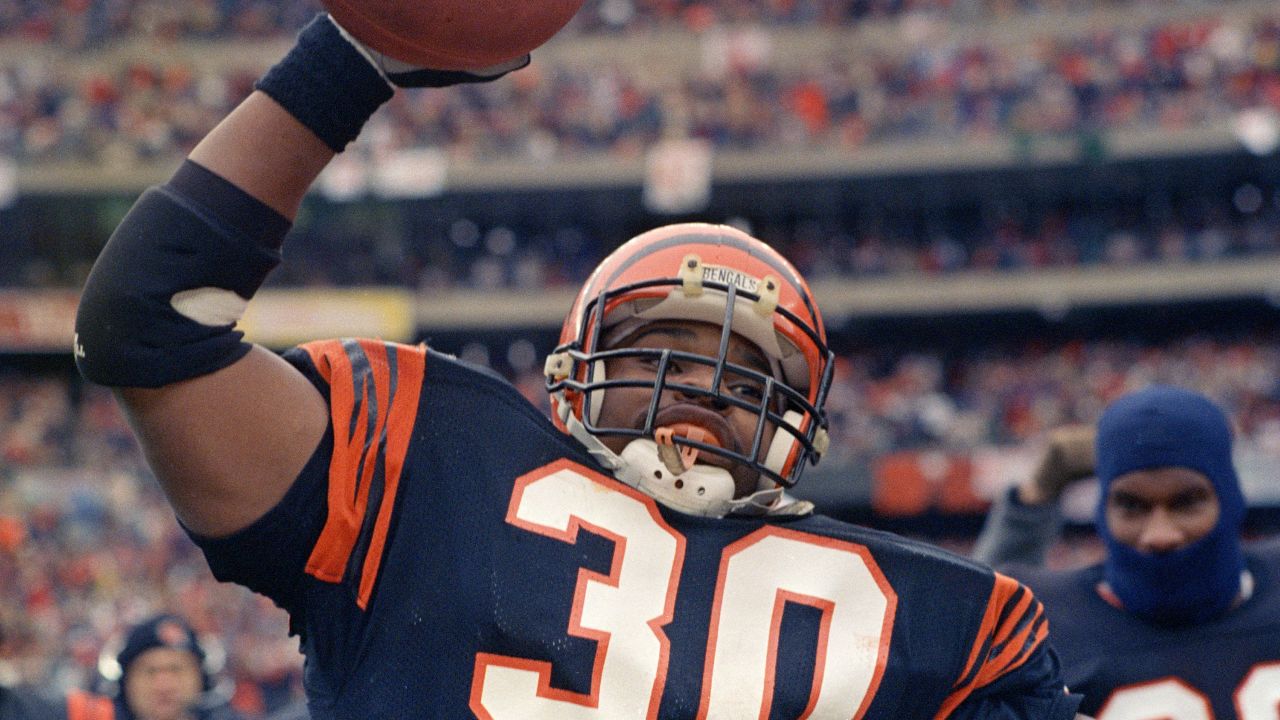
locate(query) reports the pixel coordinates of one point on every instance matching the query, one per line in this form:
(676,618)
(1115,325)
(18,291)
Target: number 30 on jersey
(627,609)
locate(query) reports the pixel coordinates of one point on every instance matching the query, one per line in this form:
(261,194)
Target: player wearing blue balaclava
(1170,619)
(1159,427)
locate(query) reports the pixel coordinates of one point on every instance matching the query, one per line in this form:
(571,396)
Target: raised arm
(227,426)
(1025,521)
(225,444)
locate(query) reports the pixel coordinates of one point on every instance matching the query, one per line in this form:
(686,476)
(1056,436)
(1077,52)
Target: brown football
(453,34)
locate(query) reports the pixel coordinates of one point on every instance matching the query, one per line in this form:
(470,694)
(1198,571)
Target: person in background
(163,675)
(1180,619)
(1026,520)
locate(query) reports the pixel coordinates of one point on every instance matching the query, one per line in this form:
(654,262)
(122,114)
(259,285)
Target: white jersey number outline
(626,611)
(758,576)
(1171,698)
(1258,697)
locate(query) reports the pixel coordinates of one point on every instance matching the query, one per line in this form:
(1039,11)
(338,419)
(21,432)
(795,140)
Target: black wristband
(326,84)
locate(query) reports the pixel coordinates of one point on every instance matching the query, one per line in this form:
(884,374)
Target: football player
(1179,620)
(445,550)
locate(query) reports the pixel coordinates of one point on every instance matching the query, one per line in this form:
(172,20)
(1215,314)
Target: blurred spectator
(164,672)
(18,703)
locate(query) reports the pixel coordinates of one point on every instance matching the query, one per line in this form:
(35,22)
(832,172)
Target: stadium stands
(91,545)
(878,156)
(82,23)
(1161,74)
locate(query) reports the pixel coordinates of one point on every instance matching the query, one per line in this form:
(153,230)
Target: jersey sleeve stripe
(410,363)
(1011,654)
(373,396)
(996,612)
(328,558)
(1012,628)
(1020,613)
(1039,632)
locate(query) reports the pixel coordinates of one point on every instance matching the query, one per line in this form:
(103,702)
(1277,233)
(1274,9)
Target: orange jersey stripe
(374,389)
(1012,628)
(1008,655)
(328,559)
(403,411)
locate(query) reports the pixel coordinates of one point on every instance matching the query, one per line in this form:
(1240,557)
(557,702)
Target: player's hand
(402,74)
(1068,458)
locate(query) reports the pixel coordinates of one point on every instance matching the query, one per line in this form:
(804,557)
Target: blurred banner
(678,176)
(917,482)
(344,179)
(412,173)
(393,174)
(37,320)
(283,318)
(43,321)
(8,182)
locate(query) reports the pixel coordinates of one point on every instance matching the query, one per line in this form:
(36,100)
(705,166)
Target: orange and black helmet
(706,273)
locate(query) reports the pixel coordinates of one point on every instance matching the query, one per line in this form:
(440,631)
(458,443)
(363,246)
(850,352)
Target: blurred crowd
(1054,240)
(435,255)
(88,545)
(1171,74)
(84,23)
(1012,395)
(1003,396)
(439,247)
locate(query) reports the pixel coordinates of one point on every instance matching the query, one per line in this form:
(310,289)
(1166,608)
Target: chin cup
(701,490)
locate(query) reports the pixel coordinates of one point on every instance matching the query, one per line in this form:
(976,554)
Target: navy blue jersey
(1128,669)
(449,553)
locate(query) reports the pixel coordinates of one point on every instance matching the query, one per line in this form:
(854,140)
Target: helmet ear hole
(596,399)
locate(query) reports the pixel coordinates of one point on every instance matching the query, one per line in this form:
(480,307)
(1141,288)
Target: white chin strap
(703,490)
